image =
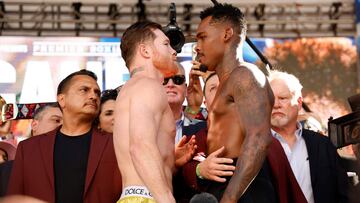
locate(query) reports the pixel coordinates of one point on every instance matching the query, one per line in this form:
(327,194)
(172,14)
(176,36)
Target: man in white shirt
(312,157)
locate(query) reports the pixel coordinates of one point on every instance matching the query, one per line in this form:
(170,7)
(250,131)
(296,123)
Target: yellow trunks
(136,200)
(136,194)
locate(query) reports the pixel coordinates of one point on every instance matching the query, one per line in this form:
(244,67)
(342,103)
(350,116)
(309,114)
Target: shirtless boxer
(144,130)
(239,117)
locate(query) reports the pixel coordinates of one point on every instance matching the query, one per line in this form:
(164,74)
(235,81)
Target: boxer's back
(164,128)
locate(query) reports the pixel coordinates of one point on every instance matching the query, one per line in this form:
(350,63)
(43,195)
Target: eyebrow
(198,34)
(55,116)
(84,86)
(89,87)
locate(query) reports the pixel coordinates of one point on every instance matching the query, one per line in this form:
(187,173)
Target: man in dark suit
(312,157)
(75,162)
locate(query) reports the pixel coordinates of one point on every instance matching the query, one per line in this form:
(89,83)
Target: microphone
(203,68)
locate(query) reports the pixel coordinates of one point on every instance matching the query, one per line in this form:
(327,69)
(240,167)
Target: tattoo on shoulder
(134,71)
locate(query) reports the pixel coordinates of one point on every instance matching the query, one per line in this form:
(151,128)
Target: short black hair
(226,13)
(205,82)
(203,197)
(106,95)
(65,82)
(38,112)
(109,94)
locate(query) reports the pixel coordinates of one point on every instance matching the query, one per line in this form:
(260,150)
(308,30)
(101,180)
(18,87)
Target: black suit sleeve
(342,179)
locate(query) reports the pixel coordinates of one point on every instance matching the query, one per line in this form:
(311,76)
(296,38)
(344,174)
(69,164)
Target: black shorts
(261,190)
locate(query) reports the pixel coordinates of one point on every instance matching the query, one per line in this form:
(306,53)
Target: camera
(345,130)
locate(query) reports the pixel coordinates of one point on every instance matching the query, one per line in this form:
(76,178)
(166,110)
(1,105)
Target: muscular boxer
(144,130)
(239,117)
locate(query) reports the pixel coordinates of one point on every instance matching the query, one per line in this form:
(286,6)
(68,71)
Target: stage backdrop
(31,68)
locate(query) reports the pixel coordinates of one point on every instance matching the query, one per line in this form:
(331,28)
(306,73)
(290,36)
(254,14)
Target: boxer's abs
(225,130)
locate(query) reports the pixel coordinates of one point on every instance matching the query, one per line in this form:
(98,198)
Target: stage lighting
(141,10)
(113,14)
(173,32)
(113,11)
(77,6)
(259,14)
(187,17)
(77,15)
(334,14)
(2,15)
(2,7)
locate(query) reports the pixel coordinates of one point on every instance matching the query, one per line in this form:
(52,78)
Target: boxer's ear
(229,32)
(144,50)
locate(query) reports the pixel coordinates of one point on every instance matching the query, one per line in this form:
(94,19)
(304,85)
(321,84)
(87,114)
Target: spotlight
(113,13)
(2,15)
(187,17)
(259,14)
(141,10)
(77,6)
(334,14)
(77,16)
(2,7)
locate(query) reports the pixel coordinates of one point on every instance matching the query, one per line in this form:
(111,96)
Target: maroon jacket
(284,180)
(33,170)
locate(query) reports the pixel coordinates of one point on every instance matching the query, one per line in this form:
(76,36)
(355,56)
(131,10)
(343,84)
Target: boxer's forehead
(208,26)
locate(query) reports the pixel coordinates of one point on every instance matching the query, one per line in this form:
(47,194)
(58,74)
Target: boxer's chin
(171,70)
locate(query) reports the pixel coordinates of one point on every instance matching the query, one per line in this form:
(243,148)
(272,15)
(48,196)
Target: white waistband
(136,191)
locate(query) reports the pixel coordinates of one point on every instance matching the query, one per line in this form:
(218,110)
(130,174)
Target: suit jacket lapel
(192,126)
(47,144)
(186,129)
(312,147)
(97,146)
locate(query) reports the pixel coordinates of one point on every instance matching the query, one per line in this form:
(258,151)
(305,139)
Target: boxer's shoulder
(247,74)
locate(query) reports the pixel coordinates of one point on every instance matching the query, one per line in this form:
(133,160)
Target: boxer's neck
(228,63)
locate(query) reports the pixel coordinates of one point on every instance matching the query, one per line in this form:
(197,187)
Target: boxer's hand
(184,151)
(194,95)
(214,167)
(195,70)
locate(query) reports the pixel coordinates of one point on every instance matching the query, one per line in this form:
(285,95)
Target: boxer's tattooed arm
(254,101)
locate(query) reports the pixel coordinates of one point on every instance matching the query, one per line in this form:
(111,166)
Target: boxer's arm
(253,98)
(194,93)
(146,109)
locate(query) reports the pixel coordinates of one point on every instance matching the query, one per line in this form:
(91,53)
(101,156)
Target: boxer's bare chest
(225,127)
